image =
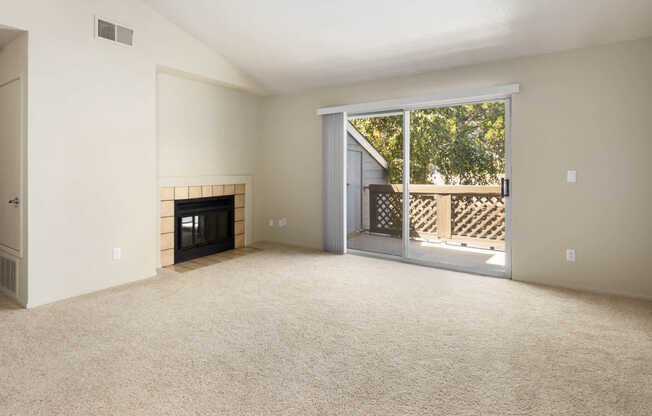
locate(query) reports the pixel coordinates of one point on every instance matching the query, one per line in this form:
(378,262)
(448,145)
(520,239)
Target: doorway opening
(374,217)
(13,144)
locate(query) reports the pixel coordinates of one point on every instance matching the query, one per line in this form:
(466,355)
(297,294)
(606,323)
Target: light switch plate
(571,177)
(570,255)
(116,253)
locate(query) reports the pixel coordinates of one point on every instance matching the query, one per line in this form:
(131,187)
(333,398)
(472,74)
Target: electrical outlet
(570,255)
(116,253)
(270,222)
(283,222)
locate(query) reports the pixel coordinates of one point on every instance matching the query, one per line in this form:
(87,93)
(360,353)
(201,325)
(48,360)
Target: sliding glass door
(431,185)
(457,187)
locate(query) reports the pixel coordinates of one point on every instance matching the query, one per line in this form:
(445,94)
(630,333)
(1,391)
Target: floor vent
(8,274)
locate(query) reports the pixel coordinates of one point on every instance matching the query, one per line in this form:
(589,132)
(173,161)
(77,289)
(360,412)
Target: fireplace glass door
(203,226)
(207,228)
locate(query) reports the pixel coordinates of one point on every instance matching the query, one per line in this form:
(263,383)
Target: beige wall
(92,139)
(13,58)
(13,62)
(204,129)
(587,110)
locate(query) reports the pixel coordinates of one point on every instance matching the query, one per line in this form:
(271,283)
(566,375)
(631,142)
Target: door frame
(21,163)
(405,111)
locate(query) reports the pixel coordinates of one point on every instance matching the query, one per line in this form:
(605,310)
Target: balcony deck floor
(489,261)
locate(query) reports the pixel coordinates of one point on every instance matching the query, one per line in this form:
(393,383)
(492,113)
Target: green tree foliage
(464,144)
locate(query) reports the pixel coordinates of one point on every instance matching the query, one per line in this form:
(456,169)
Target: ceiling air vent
(113,32)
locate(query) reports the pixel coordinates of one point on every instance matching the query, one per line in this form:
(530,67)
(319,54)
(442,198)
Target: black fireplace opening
(203,226)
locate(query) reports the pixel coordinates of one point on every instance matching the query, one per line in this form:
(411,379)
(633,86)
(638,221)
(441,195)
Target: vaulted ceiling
(291,45)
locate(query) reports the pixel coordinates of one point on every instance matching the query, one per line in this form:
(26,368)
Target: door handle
(14,202)
(504,187)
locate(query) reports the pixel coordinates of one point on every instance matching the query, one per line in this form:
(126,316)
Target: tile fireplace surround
(168,194)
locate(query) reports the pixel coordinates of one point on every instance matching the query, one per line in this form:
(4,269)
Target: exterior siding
(372,173)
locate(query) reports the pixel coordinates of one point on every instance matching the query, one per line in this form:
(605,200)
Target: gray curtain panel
(334,183)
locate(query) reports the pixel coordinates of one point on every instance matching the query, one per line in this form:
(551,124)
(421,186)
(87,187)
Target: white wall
(92,139)
(13,62)
(206,130)
(586,109)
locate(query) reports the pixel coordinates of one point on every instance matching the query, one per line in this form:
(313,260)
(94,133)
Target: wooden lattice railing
(470,214)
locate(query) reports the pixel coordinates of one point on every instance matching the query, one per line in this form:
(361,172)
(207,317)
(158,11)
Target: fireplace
(203,226)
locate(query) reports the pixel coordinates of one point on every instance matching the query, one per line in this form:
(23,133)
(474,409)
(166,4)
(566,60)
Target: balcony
(461,224)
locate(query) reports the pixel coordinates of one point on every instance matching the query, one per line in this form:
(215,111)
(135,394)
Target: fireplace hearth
(203,226)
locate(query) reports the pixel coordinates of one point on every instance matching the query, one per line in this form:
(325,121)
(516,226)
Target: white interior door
(10,165)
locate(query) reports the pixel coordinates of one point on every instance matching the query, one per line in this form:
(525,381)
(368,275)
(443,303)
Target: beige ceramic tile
(167,193)
(218,190)
(167,241)
(167,257)
(239,201)
(213,258)
(180,268)
(206,191)
(239,227)
(226,255)
(229,189)
(201,262)
(193,265)
(240,188)
(239,214)
(167,208)
(194,192)
(181,192)
(167,225)
(206,261)
(190,265)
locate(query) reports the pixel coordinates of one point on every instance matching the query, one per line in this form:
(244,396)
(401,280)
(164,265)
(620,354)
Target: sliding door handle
(504,187)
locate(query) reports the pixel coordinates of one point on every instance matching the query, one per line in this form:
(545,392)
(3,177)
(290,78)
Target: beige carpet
(293,332)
